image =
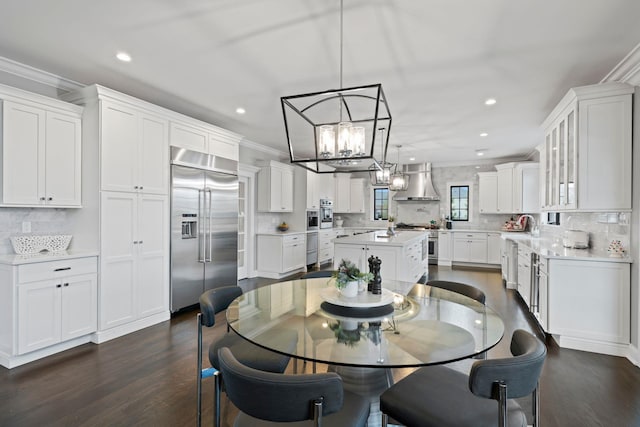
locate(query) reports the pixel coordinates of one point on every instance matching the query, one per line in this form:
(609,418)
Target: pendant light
(380,172)
(399,181)
(335,130)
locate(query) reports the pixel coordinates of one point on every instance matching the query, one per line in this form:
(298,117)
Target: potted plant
(347,277)
(391,229)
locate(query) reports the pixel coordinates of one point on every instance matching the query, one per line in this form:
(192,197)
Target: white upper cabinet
(275,188)
(313,191)
(526,188)
(586,154)
(349,194)
(134,149)
(205,138)
(505,188)
(41,151)
(488,192)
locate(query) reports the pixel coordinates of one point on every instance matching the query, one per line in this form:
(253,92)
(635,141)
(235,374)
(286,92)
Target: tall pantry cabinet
(126,199)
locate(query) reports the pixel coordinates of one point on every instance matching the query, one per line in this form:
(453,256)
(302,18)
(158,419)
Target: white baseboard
(118,331)
(611,349)
(9,361)
(634,355)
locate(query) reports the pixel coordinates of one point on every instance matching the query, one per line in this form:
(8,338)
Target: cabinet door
(152,284)
(326,186)
(488,192)
(493,248)
(505,190)
(79,314)
(188,137)
(313,193)
(478,251)
(38,315)
(524,279)
(225,149)
(343,194)
(117,261)
(153,167)
(23,130)
(119,147)
(356,201)
(63,160)
(286,190)
(353,253)
(543,300)
(444,246)
(460,249)
(294,256)
(391,259)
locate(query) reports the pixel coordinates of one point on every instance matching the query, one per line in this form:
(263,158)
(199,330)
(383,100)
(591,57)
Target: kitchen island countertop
(17,259)
(402,238)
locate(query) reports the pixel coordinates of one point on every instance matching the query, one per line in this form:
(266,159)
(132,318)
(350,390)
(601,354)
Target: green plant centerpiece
(346,274)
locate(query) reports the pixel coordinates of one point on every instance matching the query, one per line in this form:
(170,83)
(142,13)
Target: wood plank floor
(148,378)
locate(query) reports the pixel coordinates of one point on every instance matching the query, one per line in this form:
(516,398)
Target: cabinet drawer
(542,263)
(293,239)
(53,269)
(467,236)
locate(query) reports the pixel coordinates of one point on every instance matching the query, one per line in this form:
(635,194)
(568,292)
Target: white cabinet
(406,263)
(509,264)
(275,188)
(524,273)
(504,199)
(134,263)
(444,247)
(313,190)
(326,186)
(349,194)
(134,149)
(325,245)
(41,151)
(488,192)
(205,138)
(470,247)
(586,155)
(494,243)
(56,302)
(526,181)
(543,293)
(589,304)
(280,254)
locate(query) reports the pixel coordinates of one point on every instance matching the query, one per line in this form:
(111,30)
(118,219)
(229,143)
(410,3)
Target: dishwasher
(312,248)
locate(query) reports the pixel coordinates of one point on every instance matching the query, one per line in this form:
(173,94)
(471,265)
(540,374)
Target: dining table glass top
(408,325)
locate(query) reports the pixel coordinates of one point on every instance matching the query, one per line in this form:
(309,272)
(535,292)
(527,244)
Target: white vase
(350,290)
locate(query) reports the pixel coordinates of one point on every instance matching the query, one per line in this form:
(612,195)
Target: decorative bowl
(283,227)
(32,244)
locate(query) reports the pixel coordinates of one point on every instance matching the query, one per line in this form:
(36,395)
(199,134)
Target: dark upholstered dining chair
(460,288)
(270,399)
(211,303)
(438,396)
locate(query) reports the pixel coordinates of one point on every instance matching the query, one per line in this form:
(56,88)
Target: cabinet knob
(58,286)
(140,242)
(42,198)
(66,284)
(141,187)
(50,199)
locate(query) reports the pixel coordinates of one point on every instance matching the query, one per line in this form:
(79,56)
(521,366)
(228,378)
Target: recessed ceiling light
(480,152)
(483,134)
(412,159)
(240,110)
(123,56)
(490,101)
(477,167)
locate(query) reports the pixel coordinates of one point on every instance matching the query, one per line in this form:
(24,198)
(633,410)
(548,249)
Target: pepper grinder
(376,286)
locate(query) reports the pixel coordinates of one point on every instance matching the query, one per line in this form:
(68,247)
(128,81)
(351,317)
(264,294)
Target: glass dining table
(362,338)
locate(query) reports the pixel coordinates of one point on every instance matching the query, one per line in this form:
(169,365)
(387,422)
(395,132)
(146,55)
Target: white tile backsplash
(43,221)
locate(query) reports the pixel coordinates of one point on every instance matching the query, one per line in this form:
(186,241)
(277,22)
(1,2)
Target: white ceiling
(438,60)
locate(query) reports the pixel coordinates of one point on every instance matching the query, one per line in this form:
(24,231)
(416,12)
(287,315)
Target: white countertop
(15,259)
(548,248)
(380,237)
(470,230)
(284,233)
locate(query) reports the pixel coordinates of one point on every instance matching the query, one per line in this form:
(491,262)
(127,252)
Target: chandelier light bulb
(327,141)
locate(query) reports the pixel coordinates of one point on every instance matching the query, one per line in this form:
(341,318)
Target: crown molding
(34,74)
(627,70)
(263,148)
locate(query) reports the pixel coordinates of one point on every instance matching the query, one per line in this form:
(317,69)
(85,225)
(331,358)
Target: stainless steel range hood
(420,185)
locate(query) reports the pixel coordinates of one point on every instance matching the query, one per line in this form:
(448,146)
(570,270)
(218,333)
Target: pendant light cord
(341,37)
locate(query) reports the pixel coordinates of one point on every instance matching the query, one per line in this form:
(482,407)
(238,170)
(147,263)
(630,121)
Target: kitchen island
(403,256)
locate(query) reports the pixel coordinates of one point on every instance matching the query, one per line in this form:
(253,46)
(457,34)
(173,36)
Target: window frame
(373,203)
(470,199)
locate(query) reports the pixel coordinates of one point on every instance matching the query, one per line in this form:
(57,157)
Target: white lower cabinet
(524,273)
(134,280)
(46,307)
(470,247)
(325,245)
(444,247)
(278,255)
(589,305)
(494,242)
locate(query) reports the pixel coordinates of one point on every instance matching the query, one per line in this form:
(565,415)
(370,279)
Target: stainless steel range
(432,241)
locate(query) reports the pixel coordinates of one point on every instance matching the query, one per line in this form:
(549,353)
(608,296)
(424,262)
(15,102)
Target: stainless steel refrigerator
(204,225)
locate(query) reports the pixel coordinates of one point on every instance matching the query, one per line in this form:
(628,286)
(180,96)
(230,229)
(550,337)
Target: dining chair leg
(536,405)
(502,404)
(385,419)
(217,390)
(199,372)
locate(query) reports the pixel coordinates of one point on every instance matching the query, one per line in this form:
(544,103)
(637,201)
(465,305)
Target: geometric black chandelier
(336,130)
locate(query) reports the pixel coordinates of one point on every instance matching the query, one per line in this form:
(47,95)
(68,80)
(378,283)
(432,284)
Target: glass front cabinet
(586,155)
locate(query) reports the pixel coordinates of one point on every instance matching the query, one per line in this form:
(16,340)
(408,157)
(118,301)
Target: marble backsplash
(43,221)
(602,228)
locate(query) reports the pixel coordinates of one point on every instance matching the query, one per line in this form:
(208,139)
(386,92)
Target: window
(459,197)
(380,204)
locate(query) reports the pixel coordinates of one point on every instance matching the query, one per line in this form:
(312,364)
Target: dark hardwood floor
(148,378)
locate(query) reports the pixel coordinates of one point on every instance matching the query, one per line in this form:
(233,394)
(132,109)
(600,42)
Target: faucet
(535,231)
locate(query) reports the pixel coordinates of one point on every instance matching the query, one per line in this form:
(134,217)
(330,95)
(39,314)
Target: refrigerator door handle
(201,236)
(209,226)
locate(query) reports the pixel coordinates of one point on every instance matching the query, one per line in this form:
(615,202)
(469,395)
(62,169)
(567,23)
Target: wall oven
(326,213)
(433,247)
(313,220)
